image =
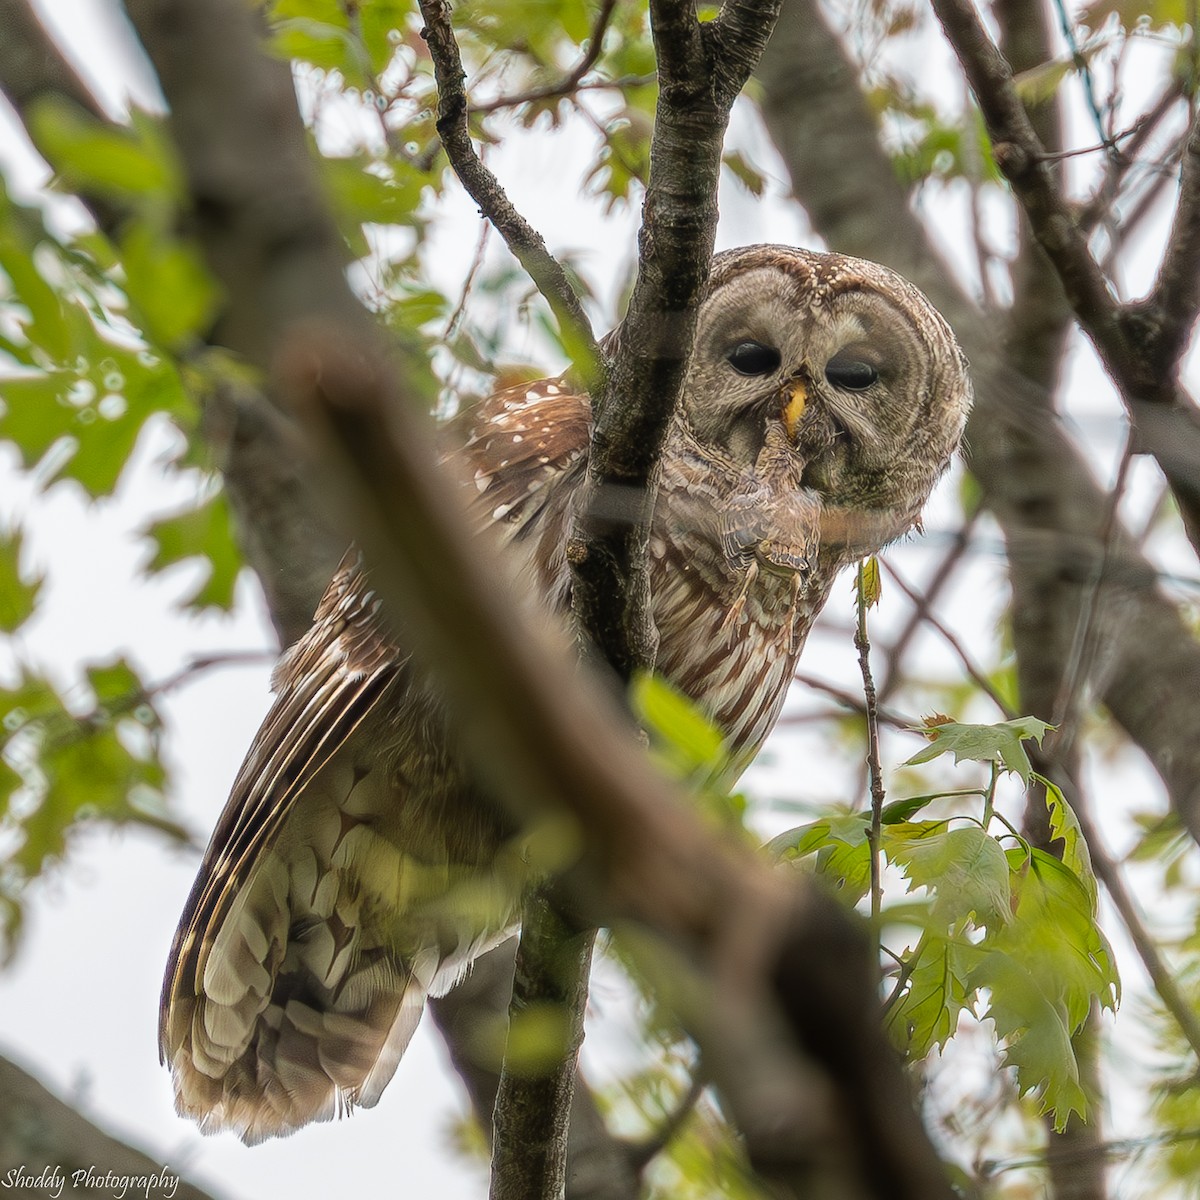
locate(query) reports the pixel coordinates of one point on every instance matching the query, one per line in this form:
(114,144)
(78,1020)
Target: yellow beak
(794,409)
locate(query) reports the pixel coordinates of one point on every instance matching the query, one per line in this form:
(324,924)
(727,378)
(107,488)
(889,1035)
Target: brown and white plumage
(352,873)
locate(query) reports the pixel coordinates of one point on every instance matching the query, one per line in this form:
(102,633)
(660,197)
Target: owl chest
(729,638)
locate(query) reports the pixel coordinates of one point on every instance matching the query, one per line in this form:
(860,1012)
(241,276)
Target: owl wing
(292,985)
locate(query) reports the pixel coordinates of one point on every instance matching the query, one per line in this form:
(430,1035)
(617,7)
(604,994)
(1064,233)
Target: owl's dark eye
(845,370)
(753,358)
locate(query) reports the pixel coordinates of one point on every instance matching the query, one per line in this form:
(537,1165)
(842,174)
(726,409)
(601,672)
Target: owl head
(850,361)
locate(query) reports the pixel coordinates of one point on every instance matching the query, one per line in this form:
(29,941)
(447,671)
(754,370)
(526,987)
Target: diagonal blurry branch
(777,979)
(38,1130)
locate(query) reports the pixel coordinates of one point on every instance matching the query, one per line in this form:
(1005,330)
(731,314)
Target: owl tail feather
(301,1024)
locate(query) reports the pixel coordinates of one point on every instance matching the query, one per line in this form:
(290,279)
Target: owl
(355,870)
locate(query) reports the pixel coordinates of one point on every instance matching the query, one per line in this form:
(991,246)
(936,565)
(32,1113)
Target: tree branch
(533,1104)
(1128,340)
(1028,167)
(701,70)
(1175,300)
(571,81)
(472,1018)
(526,244)
(38,1130)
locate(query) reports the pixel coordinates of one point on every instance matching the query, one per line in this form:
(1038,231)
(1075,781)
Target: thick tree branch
(473,1018)
(484,188)
(37,1130)
(772,968)
(701,70)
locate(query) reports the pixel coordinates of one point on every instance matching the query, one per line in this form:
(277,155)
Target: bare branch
(967,662)
(533,1103)
(570,82)
(1175,299)
(928,596)
(1025,163)
(526,244)
(1128,341)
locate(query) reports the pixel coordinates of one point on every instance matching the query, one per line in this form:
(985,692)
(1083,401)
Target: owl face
(855,364)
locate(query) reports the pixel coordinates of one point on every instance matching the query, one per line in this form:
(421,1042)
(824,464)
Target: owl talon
(733,618)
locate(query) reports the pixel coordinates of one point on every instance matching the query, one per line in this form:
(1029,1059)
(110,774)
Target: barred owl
(353,872)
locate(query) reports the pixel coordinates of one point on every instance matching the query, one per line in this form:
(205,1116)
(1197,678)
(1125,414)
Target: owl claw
(733,618)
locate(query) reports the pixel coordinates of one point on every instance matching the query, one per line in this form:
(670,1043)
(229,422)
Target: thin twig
(984,683)
(1135,139)
(1085,73)
(526,244)
(1066,707)
(862,644)
(925,599)
(847,700)
(571,81)
(641,1153)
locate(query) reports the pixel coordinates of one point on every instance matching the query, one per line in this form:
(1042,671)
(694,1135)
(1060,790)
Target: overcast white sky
(80,1007)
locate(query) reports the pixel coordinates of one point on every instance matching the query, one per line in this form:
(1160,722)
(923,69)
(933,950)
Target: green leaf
(926,1012)
(999,743)
(93,156)
(1043,970)
(870,581)
(205,532)
(681,733)
(365,197)
(35,413)
(739,167)
(1064,826)
(966,870)
(1037,1037)
(18,592)
(115,684)
(47,326)
(165,279)
(895,812)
